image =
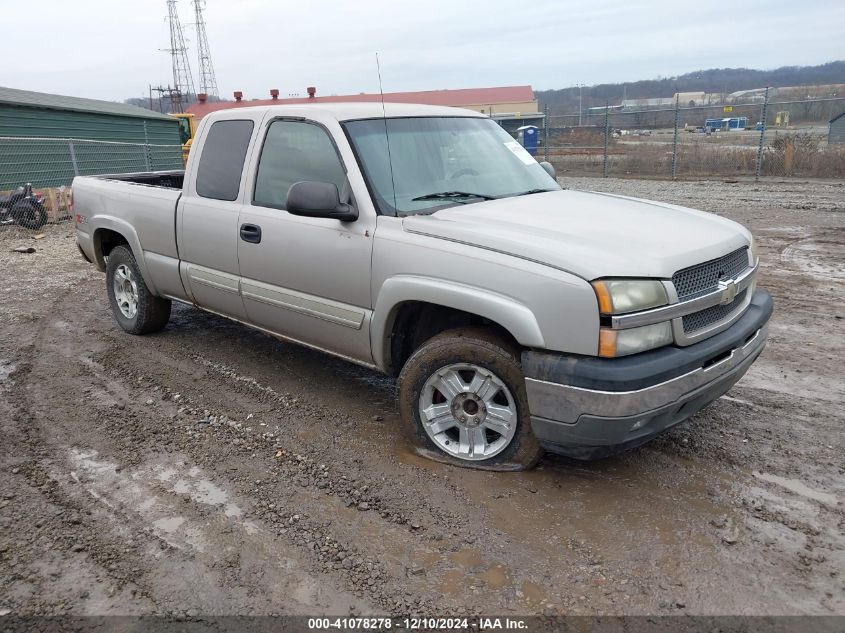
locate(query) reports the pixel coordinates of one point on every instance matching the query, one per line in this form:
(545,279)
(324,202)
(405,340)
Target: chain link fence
(780,139)
(766,139)
(54,162)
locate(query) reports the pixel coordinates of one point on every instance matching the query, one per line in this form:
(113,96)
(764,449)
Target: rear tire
(134,307)
(462,394)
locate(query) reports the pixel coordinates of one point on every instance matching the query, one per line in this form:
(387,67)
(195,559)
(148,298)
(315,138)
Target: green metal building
(48,139)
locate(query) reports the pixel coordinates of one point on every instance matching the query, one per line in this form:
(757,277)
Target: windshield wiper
(452,195)
(532,191)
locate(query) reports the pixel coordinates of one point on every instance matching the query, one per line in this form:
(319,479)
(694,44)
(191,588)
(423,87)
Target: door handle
(251,233)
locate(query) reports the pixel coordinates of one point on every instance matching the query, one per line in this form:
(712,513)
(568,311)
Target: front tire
(134,307)
(462,394)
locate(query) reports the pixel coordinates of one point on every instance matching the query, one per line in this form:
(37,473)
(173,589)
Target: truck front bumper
(586,408)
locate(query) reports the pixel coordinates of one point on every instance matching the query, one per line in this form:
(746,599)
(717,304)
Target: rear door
(207,222)
(307,279)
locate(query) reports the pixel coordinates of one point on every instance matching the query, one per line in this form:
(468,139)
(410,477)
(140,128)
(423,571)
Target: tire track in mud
(281,497)
(130,378)
(57,518)
(590,568)
(124,552)
(819,254)
(336,490)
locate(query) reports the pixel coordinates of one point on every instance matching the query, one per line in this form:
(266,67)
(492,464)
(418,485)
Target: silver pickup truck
(424,242)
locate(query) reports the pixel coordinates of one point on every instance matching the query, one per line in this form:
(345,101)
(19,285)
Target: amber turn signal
(603,295)
(607,343)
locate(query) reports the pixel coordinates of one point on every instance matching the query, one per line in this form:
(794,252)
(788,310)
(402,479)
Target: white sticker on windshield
(520,152)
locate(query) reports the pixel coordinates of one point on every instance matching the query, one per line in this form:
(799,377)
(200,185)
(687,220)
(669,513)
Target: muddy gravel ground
(210,469)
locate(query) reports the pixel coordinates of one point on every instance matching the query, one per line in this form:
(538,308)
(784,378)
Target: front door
(307,278)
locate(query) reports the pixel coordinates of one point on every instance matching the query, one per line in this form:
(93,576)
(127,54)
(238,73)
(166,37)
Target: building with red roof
(503,103)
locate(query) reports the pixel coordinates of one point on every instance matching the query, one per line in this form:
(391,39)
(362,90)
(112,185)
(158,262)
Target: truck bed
(142,204)
(166,179)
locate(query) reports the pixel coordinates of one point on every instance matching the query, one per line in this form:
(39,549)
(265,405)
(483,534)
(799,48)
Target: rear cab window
(222,159)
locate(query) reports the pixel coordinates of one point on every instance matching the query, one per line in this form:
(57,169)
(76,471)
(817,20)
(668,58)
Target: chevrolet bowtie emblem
(728,289)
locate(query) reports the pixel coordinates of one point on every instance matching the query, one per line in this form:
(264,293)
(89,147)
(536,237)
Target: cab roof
(351,111)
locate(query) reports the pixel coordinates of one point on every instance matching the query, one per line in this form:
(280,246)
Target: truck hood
(589,234)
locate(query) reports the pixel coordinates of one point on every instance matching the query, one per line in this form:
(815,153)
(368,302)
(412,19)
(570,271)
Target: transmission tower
(182,78)
(207,79)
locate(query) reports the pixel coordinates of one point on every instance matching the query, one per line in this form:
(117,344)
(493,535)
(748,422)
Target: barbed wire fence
(757,140)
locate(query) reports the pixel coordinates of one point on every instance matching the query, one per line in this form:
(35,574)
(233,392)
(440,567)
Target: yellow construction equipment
(187,130)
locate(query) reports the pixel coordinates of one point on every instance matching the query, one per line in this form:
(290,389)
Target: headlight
(613,343)
(621,296)
(618,296)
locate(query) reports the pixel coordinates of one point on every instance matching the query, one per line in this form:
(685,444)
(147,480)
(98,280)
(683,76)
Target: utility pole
(207,78)
(182,77)
(173,95)
(763,116)
(580,86)
(606,136)
(675,138)
(546,133)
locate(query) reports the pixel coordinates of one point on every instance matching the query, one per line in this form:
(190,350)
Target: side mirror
(550,170)
(318,200)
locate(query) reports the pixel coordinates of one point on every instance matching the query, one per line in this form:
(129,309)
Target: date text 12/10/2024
(418,624)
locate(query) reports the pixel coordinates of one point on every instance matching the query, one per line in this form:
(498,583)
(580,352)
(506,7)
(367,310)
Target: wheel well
(105,240)
(416,321)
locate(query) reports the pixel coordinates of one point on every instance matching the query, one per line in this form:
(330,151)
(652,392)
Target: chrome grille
(707,317)
(703,278)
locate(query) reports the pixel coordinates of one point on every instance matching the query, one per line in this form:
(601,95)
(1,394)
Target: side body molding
(515,317)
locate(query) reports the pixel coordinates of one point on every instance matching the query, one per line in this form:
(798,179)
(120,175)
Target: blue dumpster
(528,136)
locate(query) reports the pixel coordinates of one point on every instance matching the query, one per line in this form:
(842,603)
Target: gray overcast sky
(109,49)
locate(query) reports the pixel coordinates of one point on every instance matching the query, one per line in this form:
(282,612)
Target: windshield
(442,161)
(184,131)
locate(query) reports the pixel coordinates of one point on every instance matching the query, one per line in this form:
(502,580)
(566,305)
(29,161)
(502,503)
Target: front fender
(515,317)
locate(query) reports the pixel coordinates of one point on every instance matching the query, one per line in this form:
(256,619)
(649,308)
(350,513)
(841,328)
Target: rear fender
(102,223)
